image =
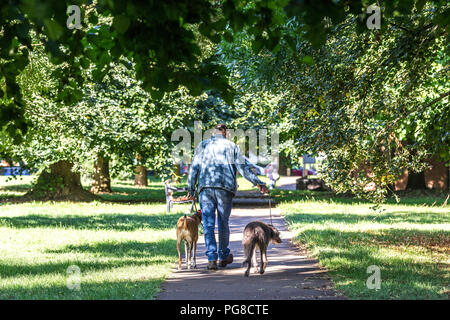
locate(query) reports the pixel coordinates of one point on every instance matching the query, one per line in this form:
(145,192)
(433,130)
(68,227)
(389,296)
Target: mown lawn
(122,191)
(123,250)
(410,243)
(124,245)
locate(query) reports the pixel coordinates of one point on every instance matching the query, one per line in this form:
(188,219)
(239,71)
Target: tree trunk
(416,180)
(140,177)
(60,183)
(437,176)
(402,182)
(101,181)
(282,165)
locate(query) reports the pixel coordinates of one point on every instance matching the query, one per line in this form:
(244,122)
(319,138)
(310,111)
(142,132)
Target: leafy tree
(376,103)
(116,119)
(159,38)
(367,99)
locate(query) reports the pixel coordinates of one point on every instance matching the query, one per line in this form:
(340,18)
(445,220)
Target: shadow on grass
(388,218)
(413,197)
(133,249)
(13,191)
(135,194)
(127,254)
(16,187)
(122,192)
(119,222)
(125,191)
(144,289)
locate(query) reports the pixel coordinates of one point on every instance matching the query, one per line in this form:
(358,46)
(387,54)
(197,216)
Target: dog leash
(194,207)
(270,208)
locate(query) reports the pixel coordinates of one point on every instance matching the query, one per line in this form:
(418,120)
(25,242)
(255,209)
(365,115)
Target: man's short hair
(221,127)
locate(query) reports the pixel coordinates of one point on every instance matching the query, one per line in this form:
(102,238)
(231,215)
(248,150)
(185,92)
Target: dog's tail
(184,223)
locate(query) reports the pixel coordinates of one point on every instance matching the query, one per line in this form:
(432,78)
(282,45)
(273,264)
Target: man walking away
(214,168)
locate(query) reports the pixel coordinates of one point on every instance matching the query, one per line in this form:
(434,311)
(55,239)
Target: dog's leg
(247,272)
(186,250)
(255,261)
(179,253)
(190,254)
(263,261)
(248,260)
(195,255)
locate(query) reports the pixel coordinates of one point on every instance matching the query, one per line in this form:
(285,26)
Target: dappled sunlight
(117,222)
(410,244)
(122,251)
(123,283)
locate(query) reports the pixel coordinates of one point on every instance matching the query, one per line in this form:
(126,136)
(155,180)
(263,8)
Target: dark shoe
(228,260)
(212,265)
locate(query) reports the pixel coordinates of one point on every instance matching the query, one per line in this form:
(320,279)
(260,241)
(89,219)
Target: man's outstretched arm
(244,168)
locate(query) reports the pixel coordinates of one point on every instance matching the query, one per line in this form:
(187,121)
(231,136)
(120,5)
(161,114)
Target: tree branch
(400,27)
(442,96)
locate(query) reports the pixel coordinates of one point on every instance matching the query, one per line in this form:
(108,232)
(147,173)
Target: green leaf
(308,60)
(54,29)
(93,19)
(121,23)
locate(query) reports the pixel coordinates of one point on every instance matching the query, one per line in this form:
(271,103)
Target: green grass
(125,191)
(122,191)
(123,251)
(14,187)
(125,245)
(410,243)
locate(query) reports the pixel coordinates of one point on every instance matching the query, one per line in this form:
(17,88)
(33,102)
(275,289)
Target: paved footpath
(290,274)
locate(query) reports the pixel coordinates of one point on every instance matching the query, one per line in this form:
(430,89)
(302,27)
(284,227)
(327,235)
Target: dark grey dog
(257,235)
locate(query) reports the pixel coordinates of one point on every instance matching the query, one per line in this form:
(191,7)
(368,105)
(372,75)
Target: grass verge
(410,243)
(122,251)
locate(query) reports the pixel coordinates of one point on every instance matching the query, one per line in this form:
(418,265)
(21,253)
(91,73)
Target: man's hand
(263,188)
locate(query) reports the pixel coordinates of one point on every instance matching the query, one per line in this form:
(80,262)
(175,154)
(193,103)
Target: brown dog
(258,235)
(187,230)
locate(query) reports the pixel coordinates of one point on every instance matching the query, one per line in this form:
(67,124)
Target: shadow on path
(290,274)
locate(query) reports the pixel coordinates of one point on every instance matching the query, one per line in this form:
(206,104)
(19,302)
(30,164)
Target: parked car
(13,171)
(299,172)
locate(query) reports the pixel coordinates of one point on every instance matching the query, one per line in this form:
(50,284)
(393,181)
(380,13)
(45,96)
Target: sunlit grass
(410,244)
(123,251)
(11,187)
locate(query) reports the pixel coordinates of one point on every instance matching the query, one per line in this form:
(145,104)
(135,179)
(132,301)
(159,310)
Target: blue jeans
(212,199)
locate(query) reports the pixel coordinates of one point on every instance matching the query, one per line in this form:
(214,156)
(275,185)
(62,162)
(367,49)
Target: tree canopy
(161,38)
(375,101)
